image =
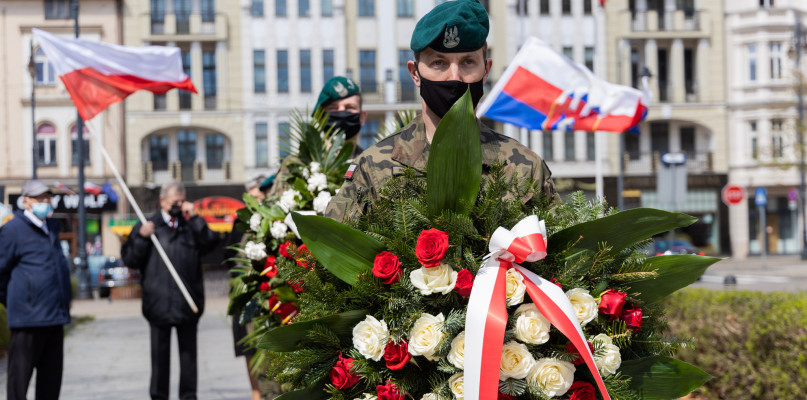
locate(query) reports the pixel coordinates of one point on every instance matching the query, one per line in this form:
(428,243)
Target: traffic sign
(792,194)
(733,195)
(674,158)
(761,197)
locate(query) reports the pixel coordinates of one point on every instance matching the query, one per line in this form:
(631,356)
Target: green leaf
(674,272)
(618,231)
(315,392)
(295,336)
(250,201)
(454,169)
(344,251)
(660,377)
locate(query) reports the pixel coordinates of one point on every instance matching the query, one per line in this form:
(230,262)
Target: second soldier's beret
(336,88)
(452,27)
(267,183)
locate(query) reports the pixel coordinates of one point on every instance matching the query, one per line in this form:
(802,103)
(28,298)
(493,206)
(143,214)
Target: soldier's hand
(147,229)
(188,210)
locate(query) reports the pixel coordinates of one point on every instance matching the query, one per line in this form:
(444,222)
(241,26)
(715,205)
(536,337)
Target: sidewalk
(775,273)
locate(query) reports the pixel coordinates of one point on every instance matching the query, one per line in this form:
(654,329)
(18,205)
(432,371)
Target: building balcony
(198,172)
(654,25)
(196,27)
(699,163)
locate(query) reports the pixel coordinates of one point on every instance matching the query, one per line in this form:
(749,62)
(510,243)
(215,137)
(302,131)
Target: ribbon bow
(485,330)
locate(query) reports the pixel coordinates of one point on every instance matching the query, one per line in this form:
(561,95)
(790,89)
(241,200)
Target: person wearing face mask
(35,289)
(449,44)
(185,237)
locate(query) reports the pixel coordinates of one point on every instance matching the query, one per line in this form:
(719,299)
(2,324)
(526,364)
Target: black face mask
(345,121)
(441,95)
(176,211)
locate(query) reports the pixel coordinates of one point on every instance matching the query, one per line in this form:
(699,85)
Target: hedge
(753,343)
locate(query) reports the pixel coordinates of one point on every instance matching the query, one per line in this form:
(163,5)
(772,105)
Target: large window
(631,142)
(283,71)
(521,8)
(46,145)
(367,70)
(305,71)
(589,54)
(280,8)
(591,146)
(256,10)
(368,132)
(303,8)
(777,60)
(74,144)
(566,7)
(208,10)
(544,6)
(751,53)
(367,8)
(405,8)
(209,78)
(407,86)
(568,146)
(158,152)
(752,134)
(184,95)
(58,9)
(688,141)
(160,102)
(283,139)
(587,7)
(659,137)
(214,150)
(327,65)
(777,141)
(157,16)
(261,145)
(548,144)
(186,145)
(182,10)
(259,70)
(327,8)
(44,69)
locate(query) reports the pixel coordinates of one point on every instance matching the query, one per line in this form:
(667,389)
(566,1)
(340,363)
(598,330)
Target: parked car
(661,246)
(114,274)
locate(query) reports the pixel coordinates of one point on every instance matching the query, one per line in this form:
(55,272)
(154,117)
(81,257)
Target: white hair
(171,185)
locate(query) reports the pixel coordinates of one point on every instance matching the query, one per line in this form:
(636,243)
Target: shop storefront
(781,222)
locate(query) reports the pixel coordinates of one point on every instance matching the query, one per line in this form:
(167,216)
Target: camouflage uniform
(408,147)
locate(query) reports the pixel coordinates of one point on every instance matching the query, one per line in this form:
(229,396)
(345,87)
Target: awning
(123,227)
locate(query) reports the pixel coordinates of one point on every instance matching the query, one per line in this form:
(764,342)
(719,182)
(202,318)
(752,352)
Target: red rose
(284,249)
(340,375)
(431,247)
(611,303)
(578,359)
(396,355)
(389,391)
(581,390)
(265,286)
(503,396)
(387,267)
(270,268)
(465,281)
(633,318)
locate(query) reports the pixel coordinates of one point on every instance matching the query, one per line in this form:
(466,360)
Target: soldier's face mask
(346,121)
(441,95)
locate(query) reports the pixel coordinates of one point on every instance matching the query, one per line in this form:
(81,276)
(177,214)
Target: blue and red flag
(542,89)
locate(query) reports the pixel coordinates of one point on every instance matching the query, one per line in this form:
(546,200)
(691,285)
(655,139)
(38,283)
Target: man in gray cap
(35,288)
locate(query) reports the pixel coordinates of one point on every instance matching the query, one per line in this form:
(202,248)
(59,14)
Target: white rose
(585,307)
(367,396)
(255,251)
(321,201)
(553,376)
(515,287)
(288,200)
(439,279)
(426,335)
(607,357)
(456,383)
(370,337)
(317,181)
(516,361)
(279,230)
(314,166)
(255,222)
(531,326)
(456,356)
(430,396)
(306,173)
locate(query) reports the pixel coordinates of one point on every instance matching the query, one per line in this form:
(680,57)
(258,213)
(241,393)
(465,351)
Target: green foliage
(662,378)
(5,333)
(753,343)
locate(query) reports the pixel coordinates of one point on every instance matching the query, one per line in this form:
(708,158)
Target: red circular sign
(733,195)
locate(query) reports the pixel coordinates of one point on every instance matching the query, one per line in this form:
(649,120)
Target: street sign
(733,195)
(792,194)
(761,197)
(674,158)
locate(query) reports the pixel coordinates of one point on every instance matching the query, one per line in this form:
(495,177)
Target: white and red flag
(98,74)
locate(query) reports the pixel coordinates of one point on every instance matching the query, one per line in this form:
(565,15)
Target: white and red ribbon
(484,331)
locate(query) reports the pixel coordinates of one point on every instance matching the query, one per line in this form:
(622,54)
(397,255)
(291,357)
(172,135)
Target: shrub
(753,343)
(5,334)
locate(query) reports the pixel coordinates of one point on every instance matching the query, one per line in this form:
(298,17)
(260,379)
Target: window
(160,102)
(367,133)
(208,10)
(257,8)
(688,141)
(85,137)
(367,70)
(631,142)
(544,7)
(568,52)
(303,8)
(158,152)
(566,7)
(752,133)
(259,70)
(214,149)
(327,8)
(209,78)
(327,65)
(305,71)
(777,142)
(367,8)
(186,142)
(157,16)
(589,54)
(58,9)
(568,145)
(634,67)
(184,95)
(283,139)
(261,145)
(547,145)
(587,7)
(751,51)
(766,3)
(46,145)
(405,8)
(44,69)
(776,60)
(280,8)
(689,71)
(659,137)
(521,8)
(591,146)
(283,71)
(407,86)
(182,10)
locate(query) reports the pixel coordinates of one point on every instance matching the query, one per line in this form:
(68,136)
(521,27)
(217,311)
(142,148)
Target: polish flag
(98,74)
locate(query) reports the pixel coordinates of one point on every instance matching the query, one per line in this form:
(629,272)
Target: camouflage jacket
(280,185)
(409,148)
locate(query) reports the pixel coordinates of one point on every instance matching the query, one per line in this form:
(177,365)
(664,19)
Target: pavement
(787,273)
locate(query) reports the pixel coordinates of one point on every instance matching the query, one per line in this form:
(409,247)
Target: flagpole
(142,217)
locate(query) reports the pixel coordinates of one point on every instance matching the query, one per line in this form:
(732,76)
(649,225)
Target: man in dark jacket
(185,237)
(35,289)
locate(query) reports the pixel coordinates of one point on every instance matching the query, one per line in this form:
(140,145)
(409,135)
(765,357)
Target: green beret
(336,88)
(267,183)
(452,27)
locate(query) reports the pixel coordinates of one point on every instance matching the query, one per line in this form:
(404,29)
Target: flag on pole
(542,89)
(98,74)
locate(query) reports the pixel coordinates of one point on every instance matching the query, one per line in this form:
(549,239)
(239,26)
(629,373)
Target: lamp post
(800,133)
(645,75)
(84,283)
(32,72)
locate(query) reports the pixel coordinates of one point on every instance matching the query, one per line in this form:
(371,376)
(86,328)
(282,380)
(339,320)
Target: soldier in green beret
(450,50)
